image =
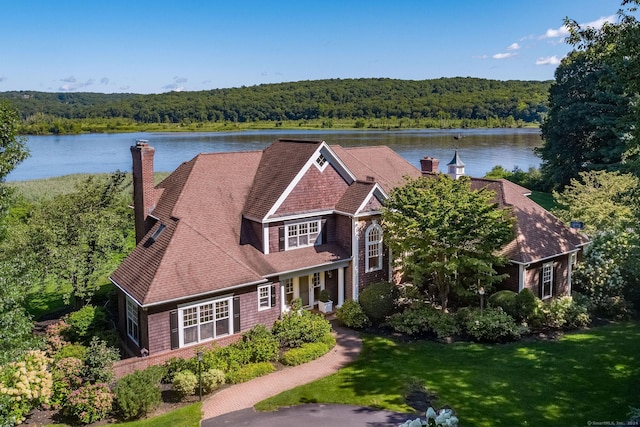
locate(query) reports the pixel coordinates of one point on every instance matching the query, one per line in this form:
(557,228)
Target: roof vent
(156,234)
(371,178)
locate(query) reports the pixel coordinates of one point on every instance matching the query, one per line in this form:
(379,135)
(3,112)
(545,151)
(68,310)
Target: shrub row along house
(229,240)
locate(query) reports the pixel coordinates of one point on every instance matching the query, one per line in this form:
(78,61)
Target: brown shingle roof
(281,162)
(539,234)
(355,195)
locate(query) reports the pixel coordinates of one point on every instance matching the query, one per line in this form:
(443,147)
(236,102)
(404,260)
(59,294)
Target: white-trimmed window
(302,234)
(133,329)
(205,321)
(374,247)
(264,297)
(547,280)
(317,284)
(288,290)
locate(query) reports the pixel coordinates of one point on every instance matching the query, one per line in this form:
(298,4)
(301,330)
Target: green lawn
(592,375)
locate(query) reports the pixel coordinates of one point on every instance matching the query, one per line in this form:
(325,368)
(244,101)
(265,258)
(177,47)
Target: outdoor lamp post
(200,373)
(481,292)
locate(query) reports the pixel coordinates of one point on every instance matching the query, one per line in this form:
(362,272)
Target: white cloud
(480,57)
(513,46)
(504,55)
(70,84)
(564,31)
(549,60)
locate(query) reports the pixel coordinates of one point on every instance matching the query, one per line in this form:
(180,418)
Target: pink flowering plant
(89,403)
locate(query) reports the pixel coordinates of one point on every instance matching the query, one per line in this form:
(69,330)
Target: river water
(479,149)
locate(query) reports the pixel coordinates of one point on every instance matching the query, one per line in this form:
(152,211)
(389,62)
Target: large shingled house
(229,240)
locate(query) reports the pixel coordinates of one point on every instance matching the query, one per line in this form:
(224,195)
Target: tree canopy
(446,98)
(593,102)
(446,235)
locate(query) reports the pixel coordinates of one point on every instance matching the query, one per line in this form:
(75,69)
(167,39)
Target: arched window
(374,247)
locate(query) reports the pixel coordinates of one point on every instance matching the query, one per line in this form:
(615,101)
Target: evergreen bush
(378,301)
(351,315)
(262,344)
(212,379)
(506,300)
(139,393)
(491,325)
(295,329)
(85,323)
(185,383)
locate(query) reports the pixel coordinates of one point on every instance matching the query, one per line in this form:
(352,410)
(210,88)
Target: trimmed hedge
(351,315)
(139,393)
(304,354)
(295,329)
(378,300)
(249,372)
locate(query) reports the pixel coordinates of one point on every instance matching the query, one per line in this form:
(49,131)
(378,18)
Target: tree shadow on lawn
(585,376)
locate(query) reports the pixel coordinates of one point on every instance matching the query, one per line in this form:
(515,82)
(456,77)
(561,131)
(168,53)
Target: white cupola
(456,167)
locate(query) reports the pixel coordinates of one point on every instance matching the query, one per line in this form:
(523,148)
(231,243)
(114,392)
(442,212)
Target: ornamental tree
(446,235)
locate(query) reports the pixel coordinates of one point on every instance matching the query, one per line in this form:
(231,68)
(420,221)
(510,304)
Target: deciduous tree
(443,233)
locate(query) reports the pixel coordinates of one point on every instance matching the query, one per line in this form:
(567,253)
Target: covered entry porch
(307,285)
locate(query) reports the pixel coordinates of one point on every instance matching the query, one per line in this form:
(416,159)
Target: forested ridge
(444,98)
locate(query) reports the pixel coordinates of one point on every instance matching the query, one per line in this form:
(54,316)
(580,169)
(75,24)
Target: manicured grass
(543,199)
(187,416)
(591,375)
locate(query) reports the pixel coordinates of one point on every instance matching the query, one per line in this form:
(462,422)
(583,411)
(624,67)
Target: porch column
(340,287)
(283,303)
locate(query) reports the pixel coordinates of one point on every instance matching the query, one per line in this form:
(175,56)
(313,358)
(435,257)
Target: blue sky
(158,46)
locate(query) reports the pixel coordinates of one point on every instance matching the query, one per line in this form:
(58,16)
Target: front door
(303,286)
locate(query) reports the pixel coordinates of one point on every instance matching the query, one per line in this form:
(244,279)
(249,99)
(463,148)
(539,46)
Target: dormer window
(302,234)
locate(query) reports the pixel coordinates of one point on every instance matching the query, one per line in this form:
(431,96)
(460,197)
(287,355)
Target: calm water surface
(479,149)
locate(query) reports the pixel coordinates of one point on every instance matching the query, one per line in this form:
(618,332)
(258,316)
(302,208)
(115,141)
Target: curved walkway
(245,395)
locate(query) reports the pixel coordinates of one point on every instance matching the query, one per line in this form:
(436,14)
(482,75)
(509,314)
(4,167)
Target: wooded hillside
(445,98)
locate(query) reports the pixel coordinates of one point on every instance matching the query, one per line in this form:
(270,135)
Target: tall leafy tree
(15,324)
(594,101)
(76,234)
(446,235)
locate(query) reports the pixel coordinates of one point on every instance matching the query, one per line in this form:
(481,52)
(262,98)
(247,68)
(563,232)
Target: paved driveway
(311,415)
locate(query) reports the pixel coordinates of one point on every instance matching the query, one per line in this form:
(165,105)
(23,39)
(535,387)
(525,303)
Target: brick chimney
(429,165)
(143,186)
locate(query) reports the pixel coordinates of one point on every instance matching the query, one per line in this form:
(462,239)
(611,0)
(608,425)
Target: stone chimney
(429,165)
(143,186)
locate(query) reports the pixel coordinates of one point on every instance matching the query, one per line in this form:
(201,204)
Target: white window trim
(131,308)
(293,290)
(181,326)
(547,267)
(268,297)
(369,244)
(318,241)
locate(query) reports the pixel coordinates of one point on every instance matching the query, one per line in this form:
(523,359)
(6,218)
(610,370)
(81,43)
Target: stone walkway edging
(246,395)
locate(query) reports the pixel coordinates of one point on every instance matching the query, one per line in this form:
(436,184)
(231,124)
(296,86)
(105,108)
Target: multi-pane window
(288,290)
(316,283)
(303,234)
(264,297)
(133,330)
(206,321)
(547,280)
(374,247)
(321,161)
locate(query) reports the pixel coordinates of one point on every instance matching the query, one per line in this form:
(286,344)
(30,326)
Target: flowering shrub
(89,403)
(185,383)
(25,385)
(601,278)
(67,376)
(54,337)
(444,417)
(565,313)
